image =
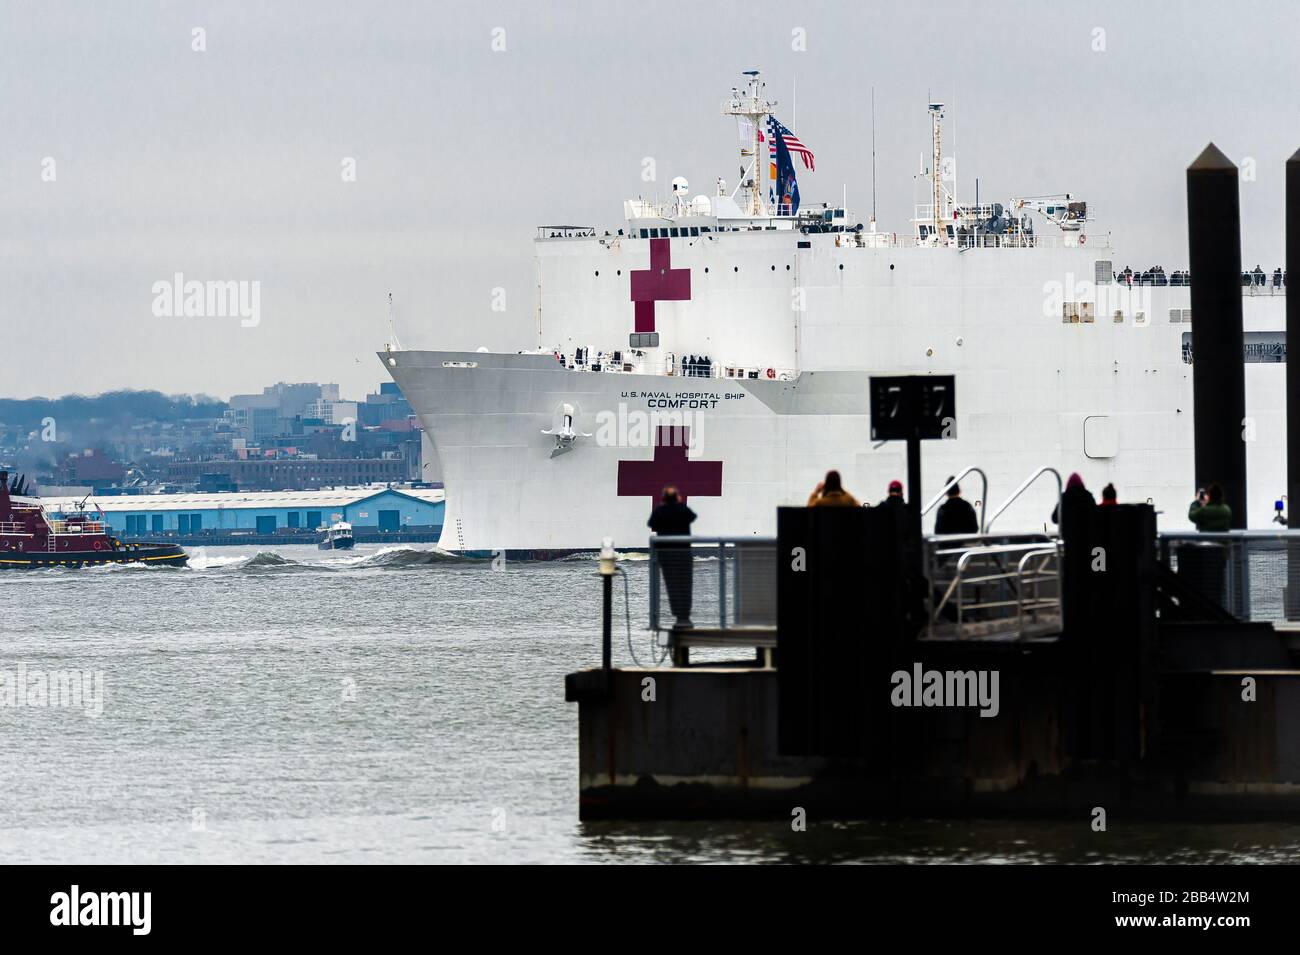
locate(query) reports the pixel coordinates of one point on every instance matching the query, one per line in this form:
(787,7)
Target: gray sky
(227,164)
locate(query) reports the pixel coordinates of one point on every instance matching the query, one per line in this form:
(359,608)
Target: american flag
(792,143)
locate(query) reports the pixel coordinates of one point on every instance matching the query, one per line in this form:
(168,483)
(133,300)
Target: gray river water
(389,705)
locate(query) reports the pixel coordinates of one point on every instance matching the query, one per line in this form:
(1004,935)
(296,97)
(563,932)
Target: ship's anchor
(565,435)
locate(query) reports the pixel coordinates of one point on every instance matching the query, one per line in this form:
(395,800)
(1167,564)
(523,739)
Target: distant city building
(90,467)
(387,405)
(292,473)
(332,412)
(293,435)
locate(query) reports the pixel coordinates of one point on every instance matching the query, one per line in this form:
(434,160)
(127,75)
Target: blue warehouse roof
(247,500)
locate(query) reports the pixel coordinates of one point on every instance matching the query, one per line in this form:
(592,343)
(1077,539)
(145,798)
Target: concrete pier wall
(707,746)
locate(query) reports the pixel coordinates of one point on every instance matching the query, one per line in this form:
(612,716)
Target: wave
(261,562)
(402,557)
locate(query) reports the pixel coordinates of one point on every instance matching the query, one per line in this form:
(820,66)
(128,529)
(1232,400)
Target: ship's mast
(751,105)
(936,122)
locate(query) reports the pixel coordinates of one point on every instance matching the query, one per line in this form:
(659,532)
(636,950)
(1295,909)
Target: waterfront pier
(1110,665)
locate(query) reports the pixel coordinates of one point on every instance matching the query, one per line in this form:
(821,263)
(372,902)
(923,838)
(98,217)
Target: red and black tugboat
(29,538)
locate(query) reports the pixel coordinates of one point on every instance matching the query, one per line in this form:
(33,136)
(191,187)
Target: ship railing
(993,586)
(1252,574)
(76,527)
(13,527)
(628,364)
(565,231)
(988,240)
(723,587)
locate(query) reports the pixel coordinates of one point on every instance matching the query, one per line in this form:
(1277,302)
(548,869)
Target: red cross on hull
(670,466)
(659,283)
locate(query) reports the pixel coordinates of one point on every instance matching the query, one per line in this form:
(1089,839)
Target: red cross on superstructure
(670,466)
(659,283)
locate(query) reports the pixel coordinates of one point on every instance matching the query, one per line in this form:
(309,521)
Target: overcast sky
(227,163)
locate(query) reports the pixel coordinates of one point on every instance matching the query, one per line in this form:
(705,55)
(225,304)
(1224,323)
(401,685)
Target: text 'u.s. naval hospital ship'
(723,344)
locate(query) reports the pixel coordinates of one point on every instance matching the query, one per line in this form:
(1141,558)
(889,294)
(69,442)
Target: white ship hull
(1026,392)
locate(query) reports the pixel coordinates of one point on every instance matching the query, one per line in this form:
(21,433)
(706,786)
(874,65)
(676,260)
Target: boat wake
(401,557)
(273,562)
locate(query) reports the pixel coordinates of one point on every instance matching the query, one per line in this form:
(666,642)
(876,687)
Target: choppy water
(392,705)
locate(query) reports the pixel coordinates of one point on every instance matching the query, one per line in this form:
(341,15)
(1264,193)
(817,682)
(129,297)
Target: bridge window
(695,230)
(645,233)
(674,233)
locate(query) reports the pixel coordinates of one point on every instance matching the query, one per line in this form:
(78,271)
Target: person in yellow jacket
(831,493)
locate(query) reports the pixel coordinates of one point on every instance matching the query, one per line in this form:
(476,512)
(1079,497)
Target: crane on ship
(1062,210)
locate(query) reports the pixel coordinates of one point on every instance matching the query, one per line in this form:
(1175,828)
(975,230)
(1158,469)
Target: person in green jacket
(1208,512)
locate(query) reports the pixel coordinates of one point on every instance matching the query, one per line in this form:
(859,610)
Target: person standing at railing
(831,493)
(1075,497)
(1208,512)
(672,518)
(894,499)
(1109,496)
(955,515)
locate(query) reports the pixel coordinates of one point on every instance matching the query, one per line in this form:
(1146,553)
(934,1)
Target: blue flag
(787,187)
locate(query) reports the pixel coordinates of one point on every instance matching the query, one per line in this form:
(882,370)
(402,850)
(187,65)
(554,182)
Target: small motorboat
(338,536)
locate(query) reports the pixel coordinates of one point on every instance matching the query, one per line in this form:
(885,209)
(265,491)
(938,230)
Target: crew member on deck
(672,518)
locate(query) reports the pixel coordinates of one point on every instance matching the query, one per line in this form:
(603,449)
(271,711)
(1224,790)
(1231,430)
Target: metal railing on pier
(714,591)
(1252,574)
(986,586)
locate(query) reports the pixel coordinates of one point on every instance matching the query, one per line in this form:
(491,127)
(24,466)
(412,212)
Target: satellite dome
(481,348)
(680,185)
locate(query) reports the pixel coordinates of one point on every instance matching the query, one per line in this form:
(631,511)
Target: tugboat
(30,538)
(337,537)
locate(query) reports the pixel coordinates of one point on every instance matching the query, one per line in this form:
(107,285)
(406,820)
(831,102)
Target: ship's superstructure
(723,343)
